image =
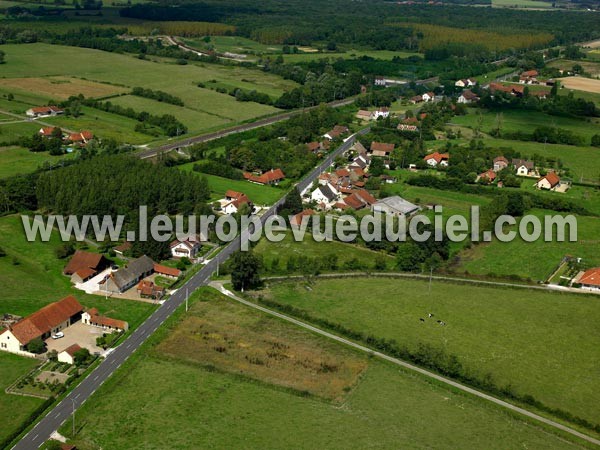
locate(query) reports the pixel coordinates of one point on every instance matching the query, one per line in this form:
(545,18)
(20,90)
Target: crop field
(527,121)
(529,4)
(60,88)
(590,67)
(103,124)
(288,247)
(11,368)
(258,194)
(534,260)
(225,336)
(349,54)
(581,84)
(17,160)
(42,60)
(491,330)
(148,403)
(196,121)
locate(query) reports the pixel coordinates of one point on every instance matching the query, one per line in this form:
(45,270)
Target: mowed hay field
(581,84)
(61,88)
(543,344)
(156,400)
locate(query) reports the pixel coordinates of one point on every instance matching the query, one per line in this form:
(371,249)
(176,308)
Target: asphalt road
(151,153)
(61,412)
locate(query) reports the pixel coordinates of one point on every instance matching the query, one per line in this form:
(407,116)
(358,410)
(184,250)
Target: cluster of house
(85,266)
(367,116)
(344,188)
(52,319)
(80,138)
(529,77)
(524,168)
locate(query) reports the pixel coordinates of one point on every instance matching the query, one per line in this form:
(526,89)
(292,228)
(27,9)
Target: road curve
(42,431)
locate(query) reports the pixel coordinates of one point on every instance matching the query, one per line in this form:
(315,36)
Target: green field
(233,44)
(535,260)
(528,121)
(159,401)
(11,368)
(282,251)
(258,194)
(541,343)
(16,160)
(195,121)
(349,54)
(205,109)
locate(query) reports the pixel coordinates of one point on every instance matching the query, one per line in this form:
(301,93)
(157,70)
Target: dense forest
(118,185)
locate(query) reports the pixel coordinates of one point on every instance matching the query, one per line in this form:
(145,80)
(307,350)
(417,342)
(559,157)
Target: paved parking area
(78,333)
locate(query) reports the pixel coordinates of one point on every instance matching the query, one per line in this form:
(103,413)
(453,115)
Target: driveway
(78,333)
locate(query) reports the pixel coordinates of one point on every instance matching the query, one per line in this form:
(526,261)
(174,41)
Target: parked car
(58,335)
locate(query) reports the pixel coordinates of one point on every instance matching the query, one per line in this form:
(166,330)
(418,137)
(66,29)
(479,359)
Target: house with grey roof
(128,276)
(394,206)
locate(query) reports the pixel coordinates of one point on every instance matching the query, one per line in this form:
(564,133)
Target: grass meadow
(11,368)
(17,160)
(535,260)
(282,251)
(527,121)
(541,343)
(159,400)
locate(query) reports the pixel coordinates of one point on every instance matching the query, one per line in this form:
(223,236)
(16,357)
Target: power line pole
(73,417)
(186,299)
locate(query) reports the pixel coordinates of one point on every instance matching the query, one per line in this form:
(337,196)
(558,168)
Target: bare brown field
(581,84)
(592,44)
(233,339)
(61,88)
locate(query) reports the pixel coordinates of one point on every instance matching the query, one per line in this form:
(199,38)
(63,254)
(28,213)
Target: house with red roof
(487,177)
(437,159)
(234,201)
(93,318)
(270,177)
(68,354)
(42,324)
(548,182)
(84,265)
(46,131)
(187,248)
(81,138)
(590,279)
